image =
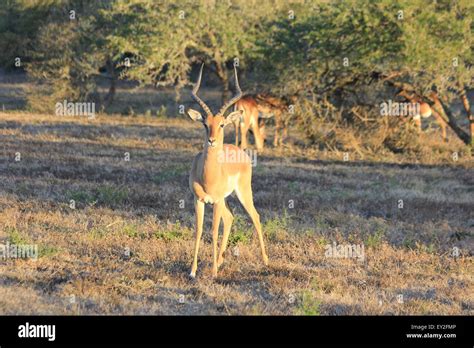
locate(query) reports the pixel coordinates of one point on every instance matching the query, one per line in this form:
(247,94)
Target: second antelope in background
(265,106)
(215,174)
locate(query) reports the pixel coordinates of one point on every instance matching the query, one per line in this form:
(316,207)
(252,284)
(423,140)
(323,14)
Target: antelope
(249,118)
(213,178)
(425,111)
(268,106)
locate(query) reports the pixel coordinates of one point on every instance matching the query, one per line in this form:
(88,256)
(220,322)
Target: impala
(213,178)
(249,119)
(425,111)
(268,106)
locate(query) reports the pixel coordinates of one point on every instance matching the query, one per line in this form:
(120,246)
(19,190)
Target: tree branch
(443,109)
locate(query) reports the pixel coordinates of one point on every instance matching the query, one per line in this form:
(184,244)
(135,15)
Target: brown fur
(214,176)
(269,106)
(248,120)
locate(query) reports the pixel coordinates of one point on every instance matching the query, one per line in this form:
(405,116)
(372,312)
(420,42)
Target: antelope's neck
(212,169)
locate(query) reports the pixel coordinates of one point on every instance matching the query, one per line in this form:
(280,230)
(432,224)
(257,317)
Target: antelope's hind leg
(245,197)
(216,220)
(259,139)
(227,218)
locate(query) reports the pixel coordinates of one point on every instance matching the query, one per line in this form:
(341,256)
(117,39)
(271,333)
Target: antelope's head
(214,124)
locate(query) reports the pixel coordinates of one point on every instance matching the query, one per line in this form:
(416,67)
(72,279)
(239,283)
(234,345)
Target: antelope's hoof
(220,261)
(207,199)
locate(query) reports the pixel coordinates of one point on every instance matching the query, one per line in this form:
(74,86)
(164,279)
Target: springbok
(216,173)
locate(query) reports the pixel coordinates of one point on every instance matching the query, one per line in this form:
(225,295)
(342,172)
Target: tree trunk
(220,65)
(222,74)
(113,81)
(470,117)
(442,108)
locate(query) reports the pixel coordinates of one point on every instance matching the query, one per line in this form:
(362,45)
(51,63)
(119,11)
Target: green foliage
(308,52)
(80,196)
(438,44)
(420,38)
(241,231)
(111,195)
(107,194)
(68,55)
(308,304)
(338,54)
(131,230)
(15,237)
(277,227)
(172,232)
(19,24)
(143,28)
(334,55)
(47,250)
(98,232)
(374,240)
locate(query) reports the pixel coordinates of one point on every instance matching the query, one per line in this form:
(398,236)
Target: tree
(438,46)
(326,56)
(166,38)
(337,50)
(330,46)
(69,54)
(20,21)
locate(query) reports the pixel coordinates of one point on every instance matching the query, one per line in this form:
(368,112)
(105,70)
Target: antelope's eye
(222,125)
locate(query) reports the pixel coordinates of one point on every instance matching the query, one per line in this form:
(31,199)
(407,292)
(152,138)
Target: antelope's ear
(234,116)
(195,115)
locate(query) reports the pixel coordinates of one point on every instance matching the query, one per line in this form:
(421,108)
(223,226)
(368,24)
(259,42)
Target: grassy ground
(126,248)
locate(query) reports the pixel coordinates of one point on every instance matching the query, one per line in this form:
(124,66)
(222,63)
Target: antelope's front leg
(216,220)
(201,194)
(199,208)
(243,135)
(236,129)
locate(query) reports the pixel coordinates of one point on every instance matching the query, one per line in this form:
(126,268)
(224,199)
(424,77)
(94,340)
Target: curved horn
(195,96)
(235,98)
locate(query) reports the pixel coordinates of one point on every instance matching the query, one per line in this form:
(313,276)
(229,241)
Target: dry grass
(83,266)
